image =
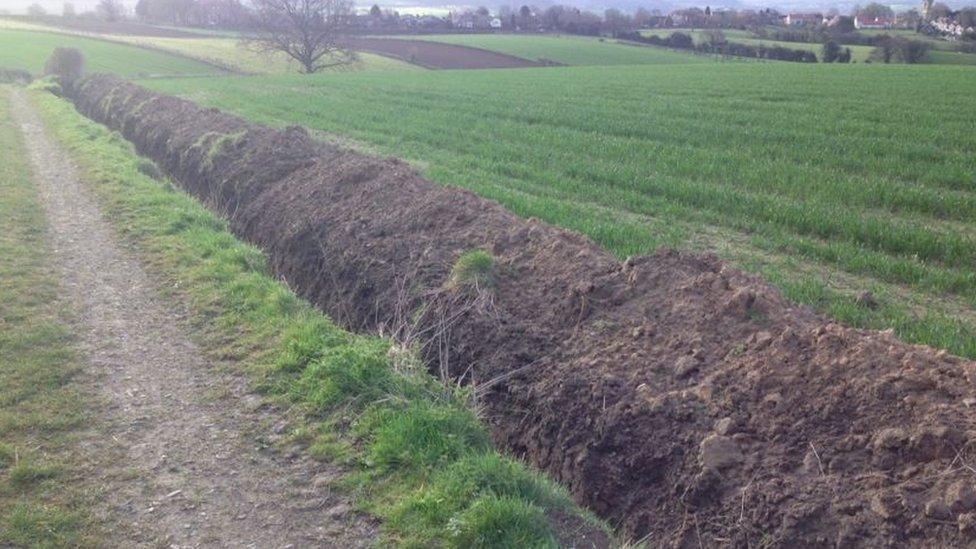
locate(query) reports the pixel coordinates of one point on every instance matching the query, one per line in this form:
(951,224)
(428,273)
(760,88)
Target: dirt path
(184,471)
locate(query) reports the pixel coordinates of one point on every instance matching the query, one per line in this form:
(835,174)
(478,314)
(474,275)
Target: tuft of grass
(8,455)
(350,375)
(354,398)
(221,141)
(29,525)
(422,435)
(25,474)
(494,521)
(483,483)
(473,269)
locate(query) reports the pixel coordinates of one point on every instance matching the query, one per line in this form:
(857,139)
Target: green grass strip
(41,408)
(422,460)
(29,50)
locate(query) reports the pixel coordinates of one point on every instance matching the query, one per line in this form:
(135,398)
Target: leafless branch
(308,31)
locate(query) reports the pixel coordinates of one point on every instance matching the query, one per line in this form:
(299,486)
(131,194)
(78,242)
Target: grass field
(828,180)
(28,50)
(941,57)
(41,408)
(228,52)
(26,46)
(858,53)
(569,50)
(936,43)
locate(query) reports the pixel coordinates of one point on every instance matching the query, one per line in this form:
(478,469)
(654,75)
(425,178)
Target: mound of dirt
(674,395)
(436,55)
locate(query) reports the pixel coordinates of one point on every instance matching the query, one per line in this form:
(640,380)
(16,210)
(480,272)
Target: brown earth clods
(435,55)
(674,395)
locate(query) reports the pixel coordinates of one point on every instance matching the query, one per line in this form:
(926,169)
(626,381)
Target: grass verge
(41,408)
(421,460)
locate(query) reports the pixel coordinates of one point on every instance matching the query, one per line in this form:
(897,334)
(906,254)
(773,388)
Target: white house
(862,22)
(799,19)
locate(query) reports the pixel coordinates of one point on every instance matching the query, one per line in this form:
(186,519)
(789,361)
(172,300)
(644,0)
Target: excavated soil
(674,395)
(435,55)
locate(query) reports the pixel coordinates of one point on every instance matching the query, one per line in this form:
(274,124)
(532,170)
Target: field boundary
(355,399)
(145,47)
(666,374)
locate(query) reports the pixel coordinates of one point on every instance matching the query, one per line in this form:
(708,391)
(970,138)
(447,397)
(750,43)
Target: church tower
(926,9)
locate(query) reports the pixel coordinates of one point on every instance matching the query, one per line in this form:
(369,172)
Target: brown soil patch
(434,55)
(674,395)
(179,457)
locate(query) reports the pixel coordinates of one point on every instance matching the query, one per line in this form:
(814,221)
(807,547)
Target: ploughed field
(567,49)
(434,55)
(829,181)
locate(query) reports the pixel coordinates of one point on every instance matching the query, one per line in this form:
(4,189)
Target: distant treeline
(820,35)
(684,41)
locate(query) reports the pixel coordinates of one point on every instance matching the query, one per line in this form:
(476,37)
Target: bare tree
(309,31)
(110,10)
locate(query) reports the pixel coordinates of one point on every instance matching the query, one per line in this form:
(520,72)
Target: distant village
(932,18)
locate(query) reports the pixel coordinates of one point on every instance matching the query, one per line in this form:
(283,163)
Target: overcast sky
(54,6)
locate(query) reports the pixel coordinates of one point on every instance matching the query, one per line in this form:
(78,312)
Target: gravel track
(179,457)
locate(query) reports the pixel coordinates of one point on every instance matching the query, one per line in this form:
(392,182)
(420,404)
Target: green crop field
(569,50)
(229,52)
(828,180)
(27,50)
(936,43)
(942,57)
(858,53)
(218,48)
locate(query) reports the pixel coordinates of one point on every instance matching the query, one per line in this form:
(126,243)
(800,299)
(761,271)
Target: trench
(673,395)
